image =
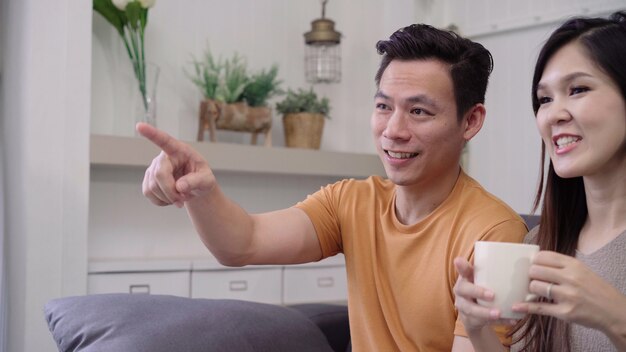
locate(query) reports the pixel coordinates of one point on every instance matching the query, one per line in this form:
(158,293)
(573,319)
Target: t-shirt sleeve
(322,208)
(512,230)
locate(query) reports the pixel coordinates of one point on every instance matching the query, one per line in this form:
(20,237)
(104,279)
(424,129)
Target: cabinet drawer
(163,283)
(303,285)
(259,285)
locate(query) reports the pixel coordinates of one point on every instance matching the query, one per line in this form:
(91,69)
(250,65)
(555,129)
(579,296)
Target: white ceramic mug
(503,268)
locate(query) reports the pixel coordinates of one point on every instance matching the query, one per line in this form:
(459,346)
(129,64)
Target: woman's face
(581,116)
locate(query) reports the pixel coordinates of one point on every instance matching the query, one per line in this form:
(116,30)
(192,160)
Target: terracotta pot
(303,130)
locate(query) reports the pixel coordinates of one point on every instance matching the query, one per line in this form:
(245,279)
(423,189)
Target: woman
(579,99)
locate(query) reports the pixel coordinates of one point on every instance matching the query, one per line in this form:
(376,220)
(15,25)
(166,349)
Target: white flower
(147,3)
(120,4)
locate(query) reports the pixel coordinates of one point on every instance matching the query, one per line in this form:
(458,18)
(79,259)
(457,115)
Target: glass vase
(145,105)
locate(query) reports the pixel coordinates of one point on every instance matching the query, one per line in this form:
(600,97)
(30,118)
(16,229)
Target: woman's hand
(474,316)
(575,293)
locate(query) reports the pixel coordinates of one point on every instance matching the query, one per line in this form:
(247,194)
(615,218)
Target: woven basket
(303,130)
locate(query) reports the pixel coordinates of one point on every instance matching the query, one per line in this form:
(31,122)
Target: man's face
(415,125)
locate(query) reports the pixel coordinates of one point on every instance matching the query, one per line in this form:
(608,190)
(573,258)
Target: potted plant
(206,76)
(234,100)
(262,86)
(303,118)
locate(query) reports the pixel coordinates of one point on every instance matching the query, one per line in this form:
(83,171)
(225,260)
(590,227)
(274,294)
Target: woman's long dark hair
(564,209)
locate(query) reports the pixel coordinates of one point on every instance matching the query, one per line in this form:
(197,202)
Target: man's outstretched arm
(179,175)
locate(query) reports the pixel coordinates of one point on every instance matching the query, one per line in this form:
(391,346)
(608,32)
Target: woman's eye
(544,100)
(578,90)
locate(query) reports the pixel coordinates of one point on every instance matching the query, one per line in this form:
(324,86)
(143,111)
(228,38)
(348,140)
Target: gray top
(609,262)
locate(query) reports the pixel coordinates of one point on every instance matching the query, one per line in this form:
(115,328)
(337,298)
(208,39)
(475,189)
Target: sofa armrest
(332,320)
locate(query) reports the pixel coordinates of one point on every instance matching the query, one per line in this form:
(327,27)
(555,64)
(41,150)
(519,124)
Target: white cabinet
(162,283)
(164,277)
(323,281)
(260,285)
(304,285)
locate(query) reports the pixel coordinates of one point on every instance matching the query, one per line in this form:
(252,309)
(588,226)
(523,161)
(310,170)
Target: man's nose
(396,127)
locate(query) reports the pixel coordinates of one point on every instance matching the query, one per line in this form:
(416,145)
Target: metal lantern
(322,57)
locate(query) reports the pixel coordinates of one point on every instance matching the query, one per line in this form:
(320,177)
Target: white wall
(45,138)
(265,32)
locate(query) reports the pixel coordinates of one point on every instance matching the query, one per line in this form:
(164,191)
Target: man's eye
(382,106)
(417,111)
(578,90)
(544,100)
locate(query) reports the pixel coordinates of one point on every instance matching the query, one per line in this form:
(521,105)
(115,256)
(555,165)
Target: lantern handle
(324,8)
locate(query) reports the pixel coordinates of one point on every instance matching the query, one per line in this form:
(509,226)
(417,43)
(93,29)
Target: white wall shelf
(109,150)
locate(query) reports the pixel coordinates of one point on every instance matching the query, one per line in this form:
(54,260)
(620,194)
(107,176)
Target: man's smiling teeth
(401,155)
(564,141)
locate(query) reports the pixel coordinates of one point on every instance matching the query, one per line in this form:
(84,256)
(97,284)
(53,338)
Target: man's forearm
(223,226)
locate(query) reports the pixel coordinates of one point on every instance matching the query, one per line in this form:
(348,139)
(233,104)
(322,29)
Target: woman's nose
(558,112)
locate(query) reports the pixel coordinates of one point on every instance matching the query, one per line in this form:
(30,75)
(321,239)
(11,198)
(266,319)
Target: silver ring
(549,292)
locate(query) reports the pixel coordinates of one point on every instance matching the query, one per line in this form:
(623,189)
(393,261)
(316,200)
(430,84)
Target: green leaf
(262,86)
(134,14)
(206,75)
(111,13)
(144,17)
(303,101)
(234,80)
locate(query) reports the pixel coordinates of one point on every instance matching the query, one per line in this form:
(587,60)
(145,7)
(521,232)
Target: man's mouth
(400,155)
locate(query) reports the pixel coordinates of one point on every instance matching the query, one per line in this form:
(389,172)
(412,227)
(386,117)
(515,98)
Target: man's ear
(473,121)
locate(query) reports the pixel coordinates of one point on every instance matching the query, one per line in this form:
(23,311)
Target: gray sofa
(155,323)
(159,323)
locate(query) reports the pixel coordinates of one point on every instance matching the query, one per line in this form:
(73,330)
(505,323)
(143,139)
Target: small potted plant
(260,88)
(206,76)
(234,100)
(303,118)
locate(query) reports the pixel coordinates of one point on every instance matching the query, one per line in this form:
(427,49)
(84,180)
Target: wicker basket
(303,130)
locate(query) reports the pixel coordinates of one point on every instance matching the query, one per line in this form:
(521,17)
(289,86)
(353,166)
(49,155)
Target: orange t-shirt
(401,278)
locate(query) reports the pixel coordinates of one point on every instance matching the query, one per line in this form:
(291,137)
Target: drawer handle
(325,281)
(239,285)
(142,289)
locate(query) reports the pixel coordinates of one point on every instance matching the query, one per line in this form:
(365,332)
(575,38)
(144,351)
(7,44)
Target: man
(400,235)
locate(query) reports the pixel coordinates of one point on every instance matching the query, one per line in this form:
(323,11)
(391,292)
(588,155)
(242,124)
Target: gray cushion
(154,323)
(531,220)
